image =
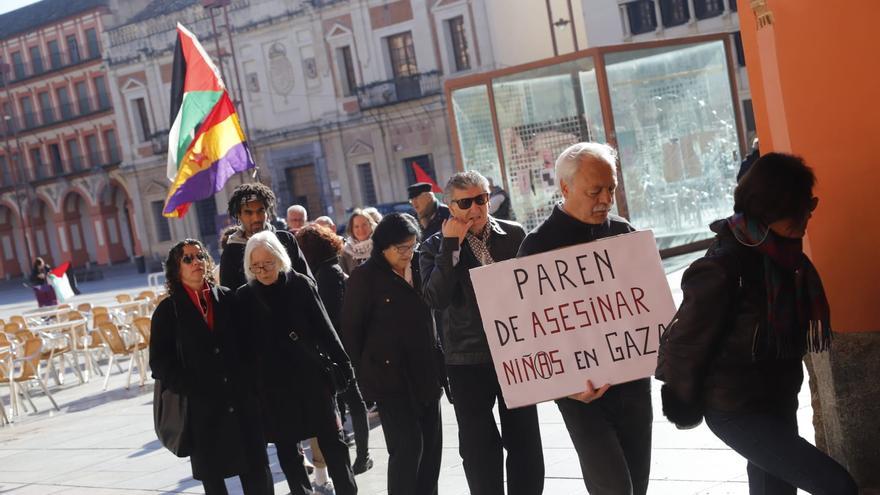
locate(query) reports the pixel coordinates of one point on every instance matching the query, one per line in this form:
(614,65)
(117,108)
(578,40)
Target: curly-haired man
(252,205)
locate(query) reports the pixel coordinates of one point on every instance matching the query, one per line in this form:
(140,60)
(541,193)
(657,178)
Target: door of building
(303,189)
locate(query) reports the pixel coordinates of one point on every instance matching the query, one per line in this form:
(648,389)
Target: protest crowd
(296,327)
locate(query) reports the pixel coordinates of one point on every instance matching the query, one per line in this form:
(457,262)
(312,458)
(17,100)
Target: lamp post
(19,178)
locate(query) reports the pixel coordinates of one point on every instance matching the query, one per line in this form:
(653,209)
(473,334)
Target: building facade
(339,99)
(62,196)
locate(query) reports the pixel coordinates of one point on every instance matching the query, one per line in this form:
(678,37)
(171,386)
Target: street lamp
(18,172)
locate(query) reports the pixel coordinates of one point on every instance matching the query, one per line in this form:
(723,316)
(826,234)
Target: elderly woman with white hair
(301,363)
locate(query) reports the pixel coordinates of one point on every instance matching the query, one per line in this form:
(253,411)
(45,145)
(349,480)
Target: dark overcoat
(296,396)
(223,411)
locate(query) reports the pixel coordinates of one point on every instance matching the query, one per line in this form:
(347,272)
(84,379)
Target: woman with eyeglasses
(194,351)
(293,341)
(358,244)
(389,331)
(753,307)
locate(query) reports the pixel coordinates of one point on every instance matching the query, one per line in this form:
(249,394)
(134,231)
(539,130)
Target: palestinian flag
(206,145)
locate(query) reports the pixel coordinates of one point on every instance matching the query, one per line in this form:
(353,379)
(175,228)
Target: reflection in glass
(677,137)
(473,119)
(540,113)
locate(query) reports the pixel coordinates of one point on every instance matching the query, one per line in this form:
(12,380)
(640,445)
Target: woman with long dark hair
(390,333)
(194,351)
(753,307)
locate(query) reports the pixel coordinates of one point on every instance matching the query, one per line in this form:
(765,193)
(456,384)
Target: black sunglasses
(465,203)
(188,259)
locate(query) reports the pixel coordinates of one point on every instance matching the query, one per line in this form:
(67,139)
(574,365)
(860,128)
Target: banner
(592,311)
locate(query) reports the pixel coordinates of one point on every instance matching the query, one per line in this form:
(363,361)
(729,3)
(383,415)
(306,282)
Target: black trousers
(475,390)
(352,400)
(612,437)
(258,482)
(335,455)
(414,436)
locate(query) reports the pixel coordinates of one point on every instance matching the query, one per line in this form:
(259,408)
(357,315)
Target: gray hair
(299,208)
(465,180)
(569,160)
(268,241)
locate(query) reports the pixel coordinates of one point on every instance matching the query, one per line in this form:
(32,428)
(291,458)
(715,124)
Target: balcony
(74,165)
(57,62)
(398,90)
(159,140)
(54,115)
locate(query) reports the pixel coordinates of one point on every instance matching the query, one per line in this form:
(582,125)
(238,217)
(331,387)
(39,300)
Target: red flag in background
(422,176)
(61,269)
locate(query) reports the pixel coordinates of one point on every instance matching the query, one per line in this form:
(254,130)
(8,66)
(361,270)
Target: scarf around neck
(359,250)
(480,244)
(798,315)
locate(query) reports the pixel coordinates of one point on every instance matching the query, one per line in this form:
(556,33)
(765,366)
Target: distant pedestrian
(390,332)
(289,330)
(430,211)
(499,202)
(358,242)
(753,306)
(195,351)
(326,221)
(297,218)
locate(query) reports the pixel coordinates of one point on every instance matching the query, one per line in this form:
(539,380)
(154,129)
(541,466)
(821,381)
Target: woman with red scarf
(194,351)
(753,307)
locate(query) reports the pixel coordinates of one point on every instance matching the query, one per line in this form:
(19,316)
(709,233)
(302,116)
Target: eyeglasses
(465,203)
(266,266)
(406,249)
(188,258)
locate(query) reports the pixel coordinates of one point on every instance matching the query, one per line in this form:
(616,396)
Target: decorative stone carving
(280,70)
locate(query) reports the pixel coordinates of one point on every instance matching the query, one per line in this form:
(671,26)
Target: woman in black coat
(322,247)
(194,352)
(753,306)
(287,325)
(389,331)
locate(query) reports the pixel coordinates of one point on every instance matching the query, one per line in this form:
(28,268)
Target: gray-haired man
(609,426)
(468,239)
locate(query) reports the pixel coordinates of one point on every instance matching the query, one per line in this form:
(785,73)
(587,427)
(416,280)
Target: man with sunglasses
(431,212)
(610,427)
(468,239)
(252,205)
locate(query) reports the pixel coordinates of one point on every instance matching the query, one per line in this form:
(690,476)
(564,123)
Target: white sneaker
(325,488)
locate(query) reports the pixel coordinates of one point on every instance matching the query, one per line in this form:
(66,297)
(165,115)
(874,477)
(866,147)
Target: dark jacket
(561,229)
(331,286)
(232,258)
(709,355)
(295,392)
(436,222)
(223,414)
(389,331)
(449,288)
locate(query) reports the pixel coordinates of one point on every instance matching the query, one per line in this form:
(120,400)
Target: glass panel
(476,139)
(676,136)
(540,113)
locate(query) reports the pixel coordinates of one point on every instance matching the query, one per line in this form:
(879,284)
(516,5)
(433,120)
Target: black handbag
(336,375)
(170,418)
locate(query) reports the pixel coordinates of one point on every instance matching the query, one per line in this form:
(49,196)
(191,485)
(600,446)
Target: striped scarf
(798,315)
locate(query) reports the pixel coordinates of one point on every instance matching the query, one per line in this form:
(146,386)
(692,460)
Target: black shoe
(362,464)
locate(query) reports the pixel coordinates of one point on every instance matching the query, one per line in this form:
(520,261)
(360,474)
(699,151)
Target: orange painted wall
(828,60)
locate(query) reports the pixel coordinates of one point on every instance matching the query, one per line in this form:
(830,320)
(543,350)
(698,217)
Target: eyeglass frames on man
(465,203)
(266,266)
(188,258)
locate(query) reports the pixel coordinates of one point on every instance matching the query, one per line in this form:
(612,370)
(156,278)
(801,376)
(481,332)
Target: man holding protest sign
(470,238)
(609,426)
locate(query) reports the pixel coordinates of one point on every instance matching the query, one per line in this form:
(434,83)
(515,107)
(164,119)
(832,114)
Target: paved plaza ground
(103,442)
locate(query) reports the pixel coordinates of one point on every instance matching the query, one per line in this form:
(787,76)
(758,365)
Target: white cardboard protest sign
(591,311)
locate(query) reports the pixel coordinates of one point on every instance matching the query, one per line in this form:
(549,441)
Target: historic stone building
(62,196)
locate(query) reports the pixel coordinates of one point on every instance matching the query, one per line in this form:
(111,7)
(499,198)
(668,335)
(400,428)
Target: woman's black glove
(685,415)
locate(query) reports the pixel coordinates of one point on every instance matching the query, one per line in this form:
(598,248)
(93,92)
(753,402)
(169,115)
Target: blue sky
(8,5)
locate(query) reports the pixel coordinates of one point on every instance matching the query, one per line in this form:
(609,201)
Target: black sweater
(561,230)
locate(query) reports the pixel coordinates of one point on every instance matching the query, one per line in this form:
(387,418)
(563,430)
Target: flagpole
(235,71)
(217,44)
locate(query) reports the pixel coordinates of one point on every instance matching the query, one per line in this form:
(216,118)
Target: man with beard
(252,205)
(472,238)
(609,426)
(431,212)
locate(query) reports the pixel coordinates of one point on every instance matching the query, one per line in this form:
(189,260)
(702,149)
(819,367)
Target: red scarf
(207,311)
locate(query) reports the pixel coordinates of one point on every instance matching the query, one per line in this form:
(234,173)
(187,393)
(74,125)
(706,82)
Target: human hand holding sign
(453,227)
(591,393)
